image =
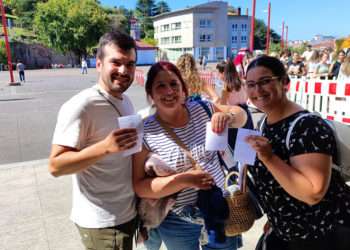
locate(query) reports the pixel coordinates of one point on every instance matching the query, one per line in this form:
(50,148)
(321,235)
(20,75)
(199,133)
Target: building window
(176,26)
(234,27)
(176,39)
(205,23)
(188,50)
(234,39)
(219,53)
(243,38)
(204,52)
(205,38)
(165,40)
(165,27)
(244,27)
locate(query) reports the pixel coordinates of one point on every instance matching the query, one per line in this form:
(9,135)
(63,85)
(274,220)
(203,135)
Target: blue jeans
(178,232)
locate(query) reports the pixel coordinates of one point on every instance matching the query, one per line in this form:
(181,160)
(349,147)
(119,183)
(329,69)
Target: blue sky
(305,18)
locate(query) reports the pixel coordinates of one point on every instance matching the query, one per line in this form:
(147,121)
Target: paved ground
(34,206)
(34,210)
(28,112)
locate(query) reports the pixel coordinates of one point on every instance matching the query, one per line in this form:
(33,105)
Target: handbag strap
(177,140)
(109,101)
(243,185)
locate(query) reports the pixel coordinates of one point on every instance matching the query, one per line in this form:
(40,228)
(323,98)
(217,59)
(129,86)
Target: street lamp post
(268,29)
(7,44)
(286,42)
(252,24)
(282,36)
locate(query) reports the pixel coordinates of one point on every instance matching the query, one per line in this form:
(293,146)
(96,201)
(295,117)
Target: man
(307,53)
(88,145)
(296,67)
(84,66)
(20,69)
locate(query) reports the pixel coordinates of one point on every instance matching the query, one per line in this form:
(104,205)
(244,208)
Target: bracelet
(231,119)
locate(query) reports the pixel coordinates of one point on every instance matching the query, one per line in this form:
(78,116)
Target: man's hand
(120,140)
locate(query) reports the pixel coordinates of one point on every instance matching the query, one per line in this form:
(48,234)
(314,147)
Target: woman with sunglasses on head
(307,202)
(182,227)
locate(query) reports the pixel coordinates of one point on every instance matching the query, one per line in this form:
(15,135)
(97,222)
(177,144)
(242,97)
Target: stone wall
(36,56)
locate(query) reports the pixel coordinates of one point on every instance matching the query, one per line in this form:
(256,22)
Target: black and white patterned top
(290,218)
(192,135)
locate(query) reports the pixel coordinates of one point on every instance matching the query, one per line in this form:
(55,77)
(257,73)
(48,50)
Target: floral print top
(290,218)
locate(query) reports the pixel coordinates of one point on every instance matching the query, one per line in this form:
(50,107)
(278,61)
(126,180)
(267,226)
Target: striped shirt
(192,135)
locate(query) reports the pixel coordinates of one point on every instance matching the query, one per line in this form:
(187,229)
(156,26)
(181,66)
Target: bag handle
(243,185)
(177,140)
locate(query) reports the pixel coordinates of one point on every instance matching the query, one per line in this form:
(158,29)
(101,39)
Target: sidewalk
(35,207)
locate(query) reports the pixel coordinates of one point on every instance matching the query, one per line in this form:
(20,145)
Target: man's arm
(67,160)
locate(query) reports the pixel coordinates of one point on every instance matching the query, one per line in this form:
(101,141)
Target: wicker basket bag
(242,211)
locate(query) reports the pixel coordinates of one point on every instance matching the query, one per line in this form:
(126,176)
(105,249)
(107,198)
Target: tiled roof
(144,46)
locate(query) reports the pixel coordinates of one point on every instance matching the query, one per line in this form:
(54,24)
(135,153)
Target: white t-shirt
(307,55)
(83,63)
(103,195)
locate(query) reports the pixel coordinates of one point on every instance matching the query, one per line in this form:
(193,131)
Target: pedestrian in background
(20,68)
(84,66)
(88,144)
(196,87)
(335,67)
(205,62)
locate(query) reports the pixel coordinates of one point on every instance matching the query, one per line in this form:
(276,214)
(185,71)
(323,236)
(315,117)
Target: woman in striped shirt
(182,227)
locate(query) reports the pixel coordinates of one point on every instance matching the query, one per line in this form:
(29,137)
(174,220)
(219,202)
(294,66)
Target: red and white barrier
(208,78)
(328,97)
(140,77)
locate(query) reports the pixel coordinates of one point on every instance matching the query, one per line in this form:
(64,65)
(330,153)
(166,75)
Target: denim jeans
(183,231)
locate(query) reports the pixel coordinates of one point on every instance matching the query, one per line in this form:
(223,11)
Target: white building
(202,30)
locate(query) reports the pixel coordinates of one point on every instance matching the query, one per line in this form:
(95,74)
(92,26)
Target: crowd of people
(306,202)
(317,64)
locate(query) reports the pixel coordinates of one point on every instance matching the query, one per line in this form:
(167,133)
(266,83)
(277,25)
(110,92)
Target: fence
(330,98)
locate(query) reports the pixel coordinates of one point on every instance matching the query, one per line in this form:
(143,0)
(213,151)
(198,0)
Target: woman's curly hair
(187,66)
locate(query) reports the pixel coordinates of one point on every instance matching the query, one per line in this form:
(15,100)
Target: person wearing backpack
(307,203)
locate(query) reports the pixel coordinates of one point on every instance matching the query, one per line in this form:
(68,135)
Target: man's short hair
(118,38)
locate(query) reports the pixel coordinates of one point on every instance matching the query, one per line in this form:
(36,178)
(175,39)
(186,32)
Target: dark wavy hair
(162,66)
(271,63)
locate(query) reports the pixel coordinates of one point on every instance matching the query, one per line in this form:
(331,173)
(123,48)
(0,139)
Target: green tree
(275,47)
(70,25)
(3,55)
(144,13)
(119,18)
(161,7)
(260,30)
(24,10)
(299,49)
